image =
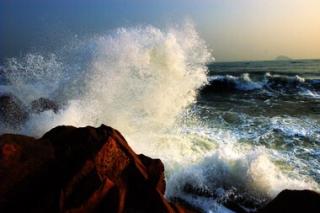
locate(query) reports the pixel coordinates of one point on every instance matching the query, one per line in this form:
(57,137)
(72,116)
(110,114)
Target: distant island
(283,58)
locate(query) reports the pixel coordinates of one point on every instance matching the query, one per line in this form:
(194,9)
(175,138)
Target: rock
(43,104)
(2,75)
(79,170)
(293,201)
(12,111)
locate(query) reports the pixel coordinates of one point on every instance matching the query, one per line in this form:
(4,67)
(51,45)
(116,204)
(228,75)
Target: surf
(144,81)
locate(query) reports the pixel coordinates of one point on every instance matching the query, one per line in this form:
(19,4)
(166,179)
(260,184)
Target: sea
(227,132)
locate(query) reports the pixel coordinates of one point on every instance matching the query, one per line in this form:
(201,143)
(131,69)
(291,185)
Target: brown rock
(79,170)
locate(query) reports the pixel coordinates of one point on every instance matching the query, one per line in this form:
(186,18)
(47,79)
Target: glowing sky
(233,29)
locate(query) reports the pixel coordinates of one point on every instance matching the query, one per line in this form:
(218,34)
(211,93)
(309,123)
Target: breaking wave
(134,78)
(268,83)
(144,81)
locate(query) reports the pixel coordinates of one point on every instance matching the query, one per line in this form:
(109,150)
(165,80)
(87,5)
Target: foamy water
(144,82)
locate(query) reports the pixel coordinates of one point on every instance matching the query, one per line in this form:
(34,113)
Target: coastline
(91,169)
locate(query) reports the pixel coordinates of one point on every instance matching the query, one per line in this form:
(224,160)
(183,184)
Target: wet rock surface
(79,170)
(43,104)
(12,111)
(289,201)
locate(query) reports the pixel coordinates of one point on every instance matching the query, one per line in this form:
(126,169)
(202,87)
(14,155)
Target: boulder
(44,104)
(289,201)
(79,170)
(12,112)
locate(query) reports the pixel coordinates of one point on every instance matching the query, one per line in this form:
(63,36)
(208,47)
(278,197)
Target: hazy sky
(233,29)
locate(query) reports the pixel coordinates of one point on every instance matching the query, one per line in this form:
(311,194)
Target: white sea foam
(310,94)
(233,170)
(290,126)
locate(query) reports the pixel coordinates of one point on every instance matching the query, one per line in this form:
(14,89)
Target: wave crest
(272,84)
(133,78)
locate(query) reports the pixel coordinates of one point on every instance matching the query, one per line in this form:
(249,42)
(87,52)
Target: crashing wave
(271,83)
(142,81)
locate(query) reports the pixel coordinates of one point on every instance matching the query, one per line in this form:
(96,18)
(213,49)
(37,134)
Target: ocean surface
(226,132)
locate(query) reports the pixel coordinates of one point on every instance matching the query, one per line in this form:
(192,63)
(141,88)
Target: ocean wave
(248,177)
(134,79)
(142,81)
(230,82)
(268,83)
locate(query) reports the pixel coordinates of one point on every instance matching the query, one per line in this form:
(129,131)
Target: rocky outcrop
(14,114)
(12,111)
(289,201)
(79,170)
(43,104)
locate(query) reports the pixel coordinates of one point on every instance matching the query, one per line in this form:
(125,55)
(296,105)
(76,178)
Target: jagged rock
(289,201)
(12,111)
(43,104)
(79,170)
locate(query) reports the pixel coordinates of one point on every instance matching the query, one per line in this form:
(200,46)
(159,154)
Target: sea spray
(144,78)
(139,80)
(32,76)
(136,78)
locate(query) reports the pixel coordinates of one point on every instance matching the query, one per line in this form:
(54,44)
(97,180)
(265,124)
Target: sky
(234,30)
